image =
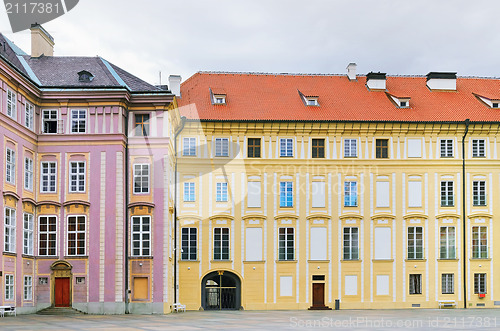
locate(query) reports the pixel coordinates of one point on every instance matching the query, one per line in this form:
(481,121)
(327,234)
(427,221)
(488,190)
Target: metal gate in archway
(221,290)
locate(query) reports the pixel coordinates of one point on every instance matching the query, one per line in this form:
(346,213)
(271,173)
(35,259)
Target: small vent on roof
(85,76)
(444,81)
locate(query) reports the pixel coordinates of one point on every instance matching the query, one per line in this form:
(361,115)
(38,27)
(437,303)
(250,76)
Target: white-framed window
(415,243)
(78,121)
(447,283)
(446,147)
(479,193)
(220,99)
(141,178)
(77,177)
(479,242)
(350,194)
(221,194)
(310,101)
(10,230)
(286,147)
(351,243)
(447,196)
(11,104)
(447,242)
(141,235)
(415,284)
(48,179)
(10,166)
(29,111)
(28,226)
(9,287)
(47,235)
(188,244)
(221,244)
(28,288)
(478,148)
(480,283)
(77,235)
(49,120)
(28,174)
(221,147)
(189,146)
(350,147)
(189,192)
(286,194)
(286,244)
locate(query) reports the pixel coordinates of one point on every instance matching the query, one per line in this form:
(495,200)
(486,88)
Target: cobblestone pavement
(418,319)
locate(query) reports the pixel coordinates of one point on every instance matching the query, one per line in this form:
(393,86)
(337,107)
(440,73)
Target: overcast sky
(399,37)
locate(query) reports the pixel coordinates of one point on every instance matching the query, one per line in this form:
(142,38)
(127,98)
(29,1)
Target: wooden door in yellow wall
(141,288)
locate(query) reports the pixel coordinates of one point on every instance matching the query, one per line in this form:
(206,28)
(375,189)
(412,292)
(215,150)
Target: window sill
(9,254)
(415,260)
(382,260)
(480,258)
(73,257)
(27,256)
(318,261)
(140,257)
(193,261)
(260,261)
(452,260)
(355,261)
(216,261)
(47,257)
(286,261)
(356,206)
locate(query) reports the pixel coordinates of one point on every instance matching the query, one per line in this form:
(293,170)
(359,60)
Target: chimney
(351,71)
(376,80)
(444,81)
(174,81)
(42,42)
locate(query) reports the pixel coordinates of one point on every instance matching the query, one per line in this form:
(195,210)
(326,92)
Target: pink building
(84,184)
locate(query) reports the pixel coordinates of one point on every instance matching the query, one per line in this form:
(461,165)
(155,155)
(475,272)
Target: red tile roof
(274,97)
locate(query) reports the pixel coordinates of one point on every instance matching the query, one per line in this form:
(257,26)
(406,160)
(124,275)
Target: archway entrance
(221,290)
(61,276)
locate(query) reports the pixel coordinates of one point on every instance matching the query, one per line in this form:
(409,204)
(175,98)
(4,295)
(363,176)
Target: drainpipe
(127,311)
(464,216)
(183,122)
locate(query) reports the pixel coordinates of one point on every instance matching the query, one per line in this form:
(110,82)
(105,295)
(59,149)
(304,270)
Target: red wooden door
(62,292)
(318,295)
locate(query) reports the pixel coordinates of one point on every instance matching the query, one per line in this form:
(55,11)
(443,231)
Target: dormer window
(85,76)
(492,102)
(312,102)
(400,102)
(220,99)
(494,105)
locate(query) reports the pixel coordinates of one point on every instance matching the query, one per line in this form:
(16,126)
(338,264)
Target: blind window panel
(383,194)
(414,194)
(318,194)
(254,195)
(382,243)
(318,243)
(253,244)
(414,147)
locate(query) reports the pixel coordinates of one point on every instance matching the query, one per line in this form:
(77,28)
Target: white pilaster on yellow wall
(102,222)
(233,193)
(339,252)
(371,193)
(307,258)
(394,256)
(339,194)
(362,192)
(398,152)
(263,147)
(391,149)
(205,147)
(119,227)
(427,257)
(327,147)
(200,195)
(360,148)
(210,241)
(436,248)
(405,249)
(490,194)
(430,148)
(275,240)
(495,155)
(271,146)
(210,193)
(297,193)
(295,148)
(231,148)
(330,194)
(426,193)
(470,282)
(278,142)
(243,245)
(403,185)
(302,150)
(200,249)
(334,152)
(330,258)
(371,257)
(394,193)
(265,252)
(297,256)
(457,150)
(459,257)
(233,234)
(361,254)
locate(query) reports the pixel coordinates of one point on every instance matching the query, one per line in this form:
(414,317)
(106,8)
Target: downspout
(183,122)
(127,311)
(464,246)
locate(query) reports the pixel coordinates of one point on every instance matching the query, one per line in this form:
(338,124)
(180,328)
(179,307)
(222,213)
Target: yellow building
(295,191)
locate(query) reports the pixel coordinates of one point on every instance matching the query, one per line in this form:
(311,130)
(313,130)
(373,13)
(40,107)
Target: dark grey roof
(9,51)
(62,71)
